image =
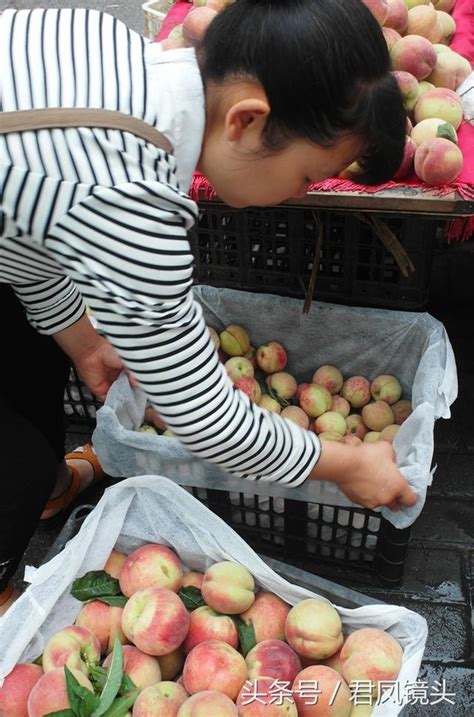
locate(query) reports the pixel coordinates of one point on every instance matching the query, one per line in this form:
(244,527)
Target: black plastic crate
(342,596)
(322,539)
(80,406)
(272,250)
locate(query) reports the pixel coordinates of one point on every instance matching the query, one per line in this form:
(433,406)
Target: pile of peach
(428,72)
(190,661)
(350,411)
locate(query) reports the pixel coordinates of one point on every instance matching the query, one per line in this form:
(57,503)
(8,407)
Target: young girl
(284,94)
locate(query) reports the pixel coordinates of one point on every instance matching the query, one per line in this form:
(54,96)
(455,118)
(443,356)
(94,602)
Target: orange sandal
(6,594)
(65,500)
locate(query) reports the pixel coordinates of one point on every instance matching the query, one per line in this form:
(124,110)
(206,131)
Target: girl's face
(260,179)
(242,171)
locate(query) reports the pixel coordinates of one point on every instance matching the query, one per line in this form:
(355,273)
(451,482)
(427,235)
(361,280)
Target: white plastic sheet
(153,509)
(413,346)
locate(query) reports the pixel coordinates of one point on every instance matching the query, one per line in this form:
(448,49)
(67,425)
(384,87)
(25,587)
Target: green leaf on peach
(246,632)
(95,584)
(113,679)
(191,597)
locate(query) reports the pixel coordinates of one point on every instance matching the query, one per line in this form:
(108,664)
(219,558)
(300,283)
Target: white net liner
(413,346)
(153,509)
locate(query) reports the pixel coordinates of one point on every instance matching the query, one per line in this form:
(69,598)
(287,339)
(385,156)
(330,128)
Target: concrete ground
(439,571)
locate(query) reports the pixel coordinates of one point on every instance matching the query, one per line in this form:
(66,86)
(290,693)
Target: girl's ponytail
(325,68)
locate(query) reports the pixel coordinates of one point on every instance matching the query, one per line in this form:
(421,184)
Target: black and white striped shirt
(101,213)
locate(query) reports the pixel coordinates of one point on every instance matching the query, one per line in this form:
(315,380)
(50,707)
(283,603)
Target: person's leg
(29,470)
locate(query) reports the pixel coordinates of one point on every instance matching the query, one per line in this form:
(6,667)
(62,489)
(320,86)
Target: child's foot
(7,598)
(77,472)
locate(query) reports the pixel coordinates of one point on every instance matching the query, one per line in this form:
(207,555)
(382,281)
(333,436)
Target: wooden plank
(403,200)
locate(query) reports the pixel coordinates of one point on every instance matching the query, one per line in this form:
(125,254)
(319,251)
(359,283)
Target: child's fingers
(407,496)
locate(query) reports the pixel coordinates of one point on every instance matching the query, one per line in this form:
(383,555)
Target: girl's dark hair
(325,68)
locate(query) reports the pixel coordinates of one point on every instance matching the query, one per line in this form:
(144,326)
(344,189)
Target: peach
(50,693)
(377,415)
(235,340)
(250,356)
(175,39)
(208,704)
(238,367)
(155,620)
(115,561)
(391,36)
(371,654)
(362,710)
(330,422)
(334,662)
(424,86)
(372,437)
(389,433)
(330,377)
(423,20)
(331,436)
(76,647)
(313,628)
(409,122)
(414,3)
(16,689)
(145,428)
(270,404)
(296,415)
(409,88)
(378,8)
(386,388)
(250,386)
(264,698)
(438,161)
(448,26)
(440,102)
(217,666)
(356,390)
(401,411)
(271,357)
(195,26)
(282,384)
(408,160)
(444,5)
(217,5)
(171,664)
(104,621)
(206,625)
(433,127)
(144,670)
(397,17)
(315,400)
(356,426)
(333,698)
(450,71)
(352,440)
(192,579)
(214,337)
(301,386)
(340,405)
(273,658)
(152,417)
(151,566)
(161,700)
(414,54)
(228,588)
(268,615)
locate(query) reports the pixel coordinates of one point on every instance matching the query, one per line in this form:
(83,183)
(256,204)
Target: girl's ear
(246,114)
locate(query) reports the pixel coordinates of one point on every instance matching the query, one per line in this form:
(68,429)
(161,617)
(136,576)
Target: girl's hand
(366,474)
(100,368)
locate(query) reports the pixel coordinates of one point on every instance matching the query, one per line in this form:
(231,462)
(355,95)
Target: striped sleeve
(127,250)
(51,305)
